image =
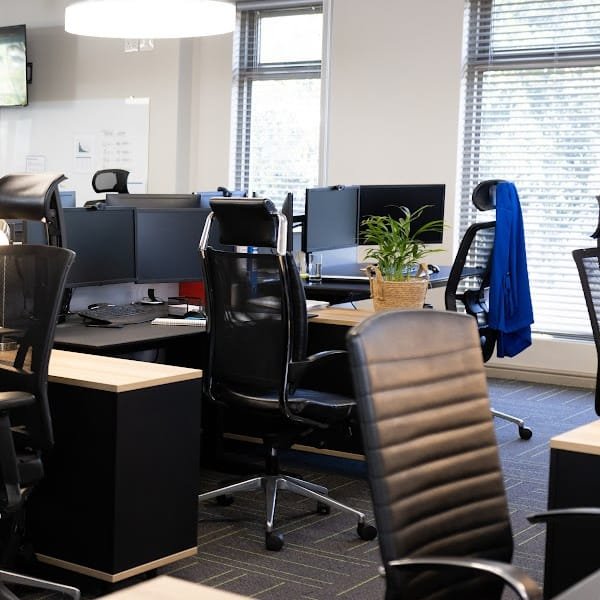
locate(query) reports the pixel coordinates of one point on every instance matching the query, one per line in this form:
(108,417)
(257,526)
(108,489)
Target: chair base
(271,484)
(10,577)
(525,433)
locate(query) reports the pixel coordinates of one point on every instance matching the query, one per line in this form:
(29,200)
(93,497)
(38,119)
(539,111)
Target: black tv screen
(13,66)
(384,200)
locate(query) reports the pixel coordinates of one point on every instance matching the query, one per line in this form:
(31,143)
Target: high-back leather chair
(32,280)
(469,281)
(257,358)
(433,464)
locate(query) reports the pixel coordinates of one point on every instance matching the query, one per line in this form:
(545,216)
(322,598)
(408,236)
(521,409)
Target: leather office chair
(469,279)
(434,470)
(32,280)
(257,358)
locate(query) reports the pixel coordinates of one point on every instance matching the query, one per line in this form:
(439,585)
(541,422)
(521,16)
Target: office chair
(32,280)
(34,197)
(434,470)
(110,180)
(257,352)
(469,280)
(588,267)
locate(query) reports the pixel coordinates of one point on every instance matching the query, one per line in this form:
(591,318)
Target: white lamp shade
(149,19)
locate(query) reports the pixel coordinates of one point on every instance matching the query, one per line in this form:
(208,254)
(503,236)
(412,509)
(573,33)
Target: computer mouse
(98,305)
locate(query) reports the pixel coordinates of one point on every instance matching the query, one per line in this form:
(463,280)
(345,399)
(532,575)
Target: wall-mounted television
(13,66)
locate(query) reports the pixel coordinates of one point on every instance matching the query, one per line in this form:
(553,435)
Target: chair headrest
(29,196)
(484,195)
(110,180)
(246,221)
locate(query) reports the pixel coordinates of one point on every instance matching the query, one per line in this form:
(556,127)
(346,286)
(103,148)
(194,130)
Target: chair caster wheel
(323,509)
(273,541)
(366,532)
(225,500)
(525,433)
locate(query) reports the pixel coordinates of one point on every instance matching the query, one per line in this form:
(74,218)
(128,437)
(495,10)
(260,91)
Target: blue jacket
(510,309)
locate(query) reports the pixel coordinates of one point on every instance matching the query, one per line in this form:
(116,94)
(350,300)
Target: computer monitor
(153,200)
(384,200)
(205,197)
(166,244)
(330,218)
(68,198)
(103,241)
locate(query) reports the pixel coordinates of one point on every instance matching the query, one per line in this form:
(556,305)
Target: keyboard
(119,314)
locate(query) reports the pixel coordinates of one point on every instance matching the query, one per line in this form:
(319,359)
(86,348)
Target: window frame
(248,70)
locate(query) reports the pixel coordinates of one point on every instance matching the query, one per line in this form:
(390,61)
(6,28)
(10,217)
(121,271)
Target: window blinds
(532,116)
(277,83)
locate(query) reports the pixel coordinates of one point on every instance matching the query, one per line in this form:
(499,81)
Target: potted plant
(396,281)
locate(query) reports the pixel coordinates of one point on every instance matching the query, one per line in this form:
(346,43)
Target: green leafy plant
(399,251)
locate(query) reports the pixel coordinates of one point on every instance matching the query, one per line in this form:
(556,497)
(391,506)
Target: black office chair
(110,180)
(32,280)
(588,267)
(258,332)
(468,283)
(432,458)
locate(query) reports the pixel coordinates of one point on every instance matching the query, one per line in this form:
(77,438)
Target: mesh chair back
(588,266)
(431,449)
(32,280)
(469,280)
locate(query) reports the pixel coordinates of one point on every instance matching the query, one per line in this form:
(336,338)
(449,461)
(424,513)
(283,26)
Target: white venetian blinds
(278,89)
(532,116)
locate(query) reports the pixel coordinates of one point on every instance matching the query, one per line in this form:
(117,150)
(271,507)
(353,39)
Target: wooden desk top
(585,439)
(170,588)
(334,315)
(113,374)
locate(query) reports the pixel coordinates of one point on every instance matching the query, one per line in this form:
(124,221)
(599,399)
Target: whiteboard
(77,138)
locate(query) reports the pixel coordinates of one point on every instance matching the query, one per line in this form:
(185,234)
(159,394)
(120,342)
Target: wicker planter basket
(397,294)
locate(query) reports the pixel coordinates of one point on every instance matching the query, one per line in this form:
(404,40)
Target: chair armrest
(9,400)
(327,371)
(523,585)
(8,456)
(562,513)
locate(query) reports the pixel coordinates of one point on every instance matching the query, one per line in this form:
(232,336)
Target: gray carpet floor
(323,558)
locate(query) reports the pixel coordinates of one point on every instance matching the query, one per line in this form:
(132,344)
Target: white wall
(395,94)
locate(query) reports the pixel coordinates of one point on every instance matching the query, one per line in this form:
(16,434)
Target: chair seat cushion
(324,407)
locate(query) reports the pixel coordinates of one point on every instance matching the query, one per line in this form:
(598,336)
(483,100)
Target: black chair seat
(324,407)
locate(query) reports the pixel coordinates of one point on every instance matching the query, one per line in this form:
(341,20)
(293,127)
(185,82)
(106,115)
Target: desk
(179,342)
(571,547)
(120,492)
(170,588)
(337,291)
(588,589)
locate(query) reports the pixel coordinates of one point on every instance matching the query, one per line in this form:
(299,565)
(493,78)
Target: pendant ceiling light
(149,19)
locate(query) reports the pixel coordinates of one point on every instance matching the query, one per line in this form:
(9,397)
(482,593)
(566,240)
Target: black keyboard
(120,314)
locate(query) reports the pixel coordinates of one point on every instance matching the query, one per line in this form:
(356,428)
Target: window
(278,89)
(532,116)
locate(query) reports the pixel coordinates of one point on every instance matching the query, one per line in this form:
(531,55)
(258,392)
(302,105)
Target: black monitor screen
(167,244)
(384,200)
(13,66)
(153,200)
(103,243)
(330,218)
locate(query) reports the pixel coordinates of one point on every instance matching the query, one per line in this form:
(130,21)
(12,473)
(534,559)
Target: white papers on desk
(316,304)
